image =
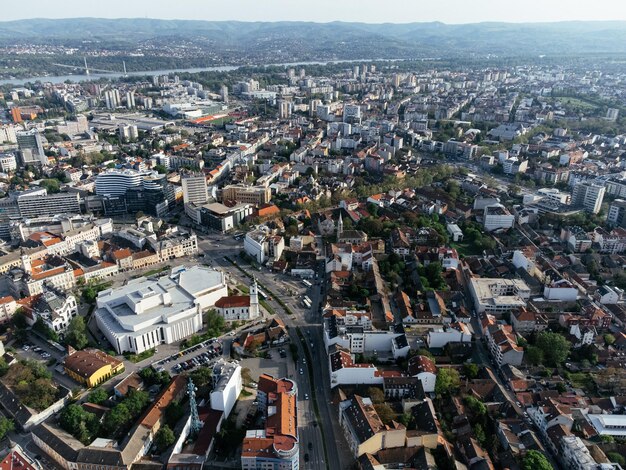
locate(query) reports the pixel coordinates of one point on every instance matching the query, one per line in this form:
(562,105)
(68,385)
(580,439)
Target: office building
(30,145)
(276,446)
(589,196)
(497,217)
(115,182)
(220,217)
(493,295)
(7,134)
(617,213)
(195,189)
(257,195)
(147,312)
(34,205)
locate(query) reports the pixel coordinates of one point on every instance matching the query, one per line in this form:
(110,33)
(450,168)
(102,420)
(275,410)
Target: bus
(307,303)
(262,294)
(306,283)
(307,299)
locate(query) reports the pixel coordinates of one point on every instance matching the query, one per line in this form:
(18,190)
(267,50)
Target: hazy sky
(370,11)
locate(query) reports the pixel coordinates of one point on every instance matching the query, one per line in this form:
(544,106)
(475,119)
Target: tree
(174,412)
(376,395)
(6,426)
(470,370)
(609,339)
(98,396)
(201,376)
(535,460)
(4,367)
(164,438)
(385,413)
(534,355)
(554,346)
(79,423)
(616,458)
(76,335)
(476,406)
(160,169)
(214,323)
(51,185)
(448,381)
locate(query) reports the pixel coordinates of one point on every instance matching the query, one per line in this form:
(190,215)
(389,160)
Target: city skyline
(367,11)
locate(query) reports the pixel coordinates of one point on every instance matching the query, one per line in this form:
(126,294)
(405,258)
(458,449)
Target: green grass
(267,307)
(152,272)
(466,248)
(245,393)
(141,356)
(243,289)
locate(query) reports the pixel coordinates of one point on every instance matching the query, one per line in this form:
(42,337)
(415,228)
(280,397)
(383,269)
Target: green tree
(51,185)
(4,367)
(214,323)
(447,382)
(160,169)
(609,339)
(174,412)
(534,355)
(554,346)
(6,426)
(164,438)
(476,406)
(470,370)
(376,395)
(98,396)
(76,335)
(385,413)
(201,376)
(535,460)
(616,458)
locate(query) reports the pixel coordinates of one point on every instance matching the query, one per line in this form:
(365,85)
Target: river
(225,68)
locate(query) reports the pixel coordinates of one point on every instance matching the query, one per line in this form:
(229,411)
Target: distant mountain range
(337,38)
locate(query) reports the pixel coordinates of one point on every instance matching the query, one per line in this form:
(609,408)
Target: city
(309,260)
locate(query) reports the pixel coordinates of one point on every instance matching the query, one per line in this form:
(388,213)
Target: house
(525,321)
(425,370)
(503,345)
(455,232)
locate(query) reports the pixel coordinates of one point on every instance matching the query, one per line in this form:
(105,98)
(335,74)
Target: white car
(306,396)
(301,372)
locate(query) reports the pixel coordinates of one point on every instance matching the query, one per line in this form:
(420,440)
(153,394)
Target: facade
(589,196)
(8,306)
(7,162)
(503,345)
(91,367)
(145,313)
(226,386)
(195,189)
(30,144)
(262,246)
(49,204)
(276,446)
(257,195)
(425,370)
(617,213)
(56,310)
(223,218)
(117,182)
(497,217)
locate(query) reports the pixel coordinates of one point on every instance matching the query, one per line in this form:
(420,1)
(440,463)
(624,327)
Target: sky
(368,11)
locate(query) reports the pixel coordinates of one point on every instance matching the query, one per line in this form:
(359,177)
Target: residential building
(227,385)
(195,189)
(588,195)
(425,370)
(453,333)
(493,295)
(364,430)
(497,217)
(8,162)
(256,195)
(263,246)
(503,346)
(455,232)
(276,446)
(56,309)
(617,213)
(8,306)
(147,312)
(91,367)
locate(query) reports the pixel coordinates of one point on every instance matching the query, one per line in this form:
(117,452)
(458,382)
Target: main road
(316,429)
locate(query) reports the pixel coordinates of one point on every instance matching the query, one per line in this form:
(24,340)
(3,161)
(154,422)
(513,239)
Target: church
(240,307)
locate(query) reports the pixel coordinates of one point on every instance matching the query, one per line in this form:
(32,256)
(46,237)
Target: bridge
(88,70)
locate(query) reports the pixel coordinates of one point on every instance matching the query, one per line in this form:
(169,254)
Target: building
(262,246)
(116,182)
(617,213)
(495,295)
(195,189)
(364,430)
(503,346)
(56,309)
(147,312)
(276,446)
(455,232)
(220,217)
(240,307)
(8,162)
(226,386)
(608,425)
(127,132)
(284,109)
(49,204)
(8,306)
(425,370)
(612,114)
(30,145)
(453,333)
(588,195)
(497,217)
(91,367)
(16,459)
(257,195)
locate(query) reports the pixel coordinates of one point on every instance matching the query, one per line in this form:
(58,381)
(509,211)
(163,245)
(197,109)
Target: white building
(561,290)
(145,313)
(455,333)
(493,295)
(56,310)
(455,232)
(226,386)
(7,162)
(497,217)
(425,370)
(262,246)
(344,371)
(116,182)
(240,307)
(608,425)
(589,196)
(195,189)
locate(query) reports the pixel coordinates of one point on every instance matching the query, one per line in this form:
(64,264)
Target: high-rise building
(617,213)
(612,114)
(589,196)
(352,114)
(7,134)
(116,182)
(112,98)
(224,93)
(31,148)
(284,109)
(128,131)
(130,99)
(195,189)
(355,71)
(50,204)
(7,162)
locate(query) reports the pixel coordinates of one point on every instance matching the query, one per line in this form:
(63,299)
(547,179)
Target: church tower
(339,226)
(254,301)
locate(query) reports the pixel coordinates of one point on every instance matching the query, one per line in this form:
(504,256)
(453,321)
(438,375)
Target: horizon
(450,12)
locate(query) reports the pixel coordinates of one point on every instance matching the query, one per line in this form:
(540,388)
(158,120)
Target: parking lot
(203,354)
